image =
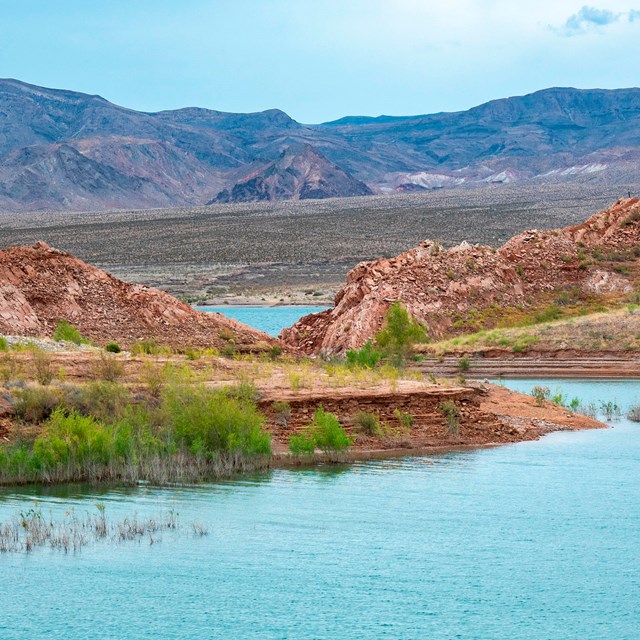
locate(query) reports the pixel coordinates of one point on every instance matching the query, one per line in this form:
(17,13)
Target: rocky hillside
(66,150)
(40,286)
(300,173)
(449,290)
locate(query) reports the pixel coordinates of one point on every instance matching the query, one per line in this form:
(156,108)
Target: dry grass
(617,330)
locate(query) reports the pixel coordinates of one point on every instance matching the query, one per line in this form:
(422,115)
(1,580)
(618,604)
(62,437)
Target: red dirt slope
(40,286)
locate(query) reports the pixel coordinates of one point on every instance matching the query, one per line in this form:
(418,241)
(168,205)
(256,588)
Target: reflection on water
(526,541)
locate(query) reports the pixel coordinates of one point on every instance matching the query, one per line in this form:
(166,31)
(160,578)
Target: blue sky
(322,59)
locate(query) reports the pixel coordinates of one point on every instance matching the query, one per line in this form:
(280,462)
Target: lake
(271,320)
(538,540)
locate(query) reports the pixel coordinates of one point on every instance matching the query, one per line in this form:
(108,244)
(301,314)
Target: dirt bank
(498,363)
(409,410)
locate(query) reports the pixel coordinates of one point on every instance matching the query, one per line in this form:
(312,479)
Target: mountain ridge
(193,155)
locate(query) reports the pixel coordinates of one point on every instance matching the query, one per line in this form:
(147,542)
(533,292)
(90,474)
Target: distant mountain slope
(68,150)
(300,173)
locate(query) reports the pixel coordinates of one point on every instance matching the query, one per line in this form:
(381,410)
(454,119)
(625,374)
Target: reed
(30,530)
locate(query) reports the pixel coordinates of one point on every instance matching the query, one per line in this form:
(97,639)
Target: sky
(318,60)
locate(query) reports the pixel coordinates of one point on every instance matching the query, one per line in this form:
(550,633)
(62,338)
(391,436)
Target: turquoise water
(539,540)
(271,320)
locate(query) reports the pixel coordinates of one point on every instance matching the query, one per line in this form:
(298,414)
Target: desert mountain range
(68,150)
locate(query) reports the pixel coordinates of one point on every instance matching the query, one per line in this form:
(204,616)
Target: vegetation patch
(324,433)
(65,332)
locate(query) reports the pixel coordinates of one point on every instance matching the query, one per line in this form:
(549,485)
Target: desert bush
(113,347)
(283,413)
(43,371)
(108,367)
(367,356)
(65,332)
(149,348)
(35,403)
(104,400)
(226,334)
(540,393)
(244,391)
(463,364)
(9,368)
(451,413)
(368,423)
(399,334)
(4,344)
(154,377)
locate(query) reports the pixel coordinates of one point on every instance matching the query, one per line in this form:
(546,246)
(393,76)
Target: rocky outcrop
(441,288)
(300,173)
(40,286)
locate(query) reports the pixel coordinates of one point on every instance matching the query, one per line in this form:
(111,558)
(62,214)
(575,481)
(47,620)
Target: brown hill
(40,286)
(451,290)
(300,173)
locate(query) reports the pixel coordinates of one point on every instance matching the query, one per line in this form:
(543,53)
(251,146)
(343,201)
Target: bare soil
(274,249)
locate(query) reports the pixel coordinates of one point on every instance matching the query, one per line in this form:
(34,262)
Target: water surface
(538,540)
(271,320)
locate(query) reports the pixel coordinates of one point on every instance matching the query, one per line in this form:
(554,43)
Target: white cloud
(589,19)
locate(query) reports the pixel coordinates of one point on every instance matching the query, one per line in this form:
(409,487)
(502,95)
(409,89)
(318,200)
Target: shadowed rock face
(438,286)
(300,173)
(40,286)
(68,150)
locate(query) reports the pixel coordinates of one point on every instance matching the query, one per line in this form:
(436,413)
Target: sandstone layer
(444,287)
(39,286)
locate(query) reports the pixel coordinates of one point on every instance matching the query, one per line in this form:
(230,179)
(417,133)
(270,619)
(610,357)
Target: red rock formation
(40,286)
(438,286)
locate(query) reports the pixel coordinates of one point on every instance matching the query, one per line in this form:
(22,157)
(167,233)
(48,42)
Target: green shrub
(540,393)
(368,423)
(451,413)
(552,312)
(400,333)
(301,444)
(275,352)
(327,432)
(464,364)
(113,347)
(611,410)
(211,422)
(367,357)
(65,332)
(4,344)
(405,420)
